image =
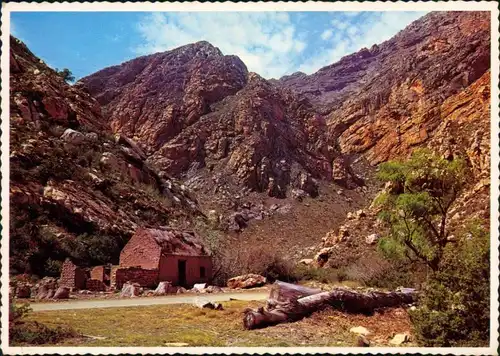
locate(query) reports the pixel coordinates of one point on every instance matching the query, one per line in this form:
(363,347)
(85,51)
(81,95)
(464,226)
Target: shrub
(417,211)
(28,332)
(66,74)
(454,309)
(34,333)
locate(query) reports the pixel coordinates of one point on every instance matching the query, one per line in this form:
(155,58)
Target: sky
(271,44)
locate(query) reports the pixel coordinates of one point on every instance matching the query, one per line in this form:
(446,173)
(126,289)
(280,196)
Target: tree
(66,74)
(454,309)
(422,191)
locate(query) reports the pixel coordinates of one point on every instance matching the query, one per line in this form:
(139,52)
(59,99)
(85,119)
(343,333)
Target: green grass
(159,325)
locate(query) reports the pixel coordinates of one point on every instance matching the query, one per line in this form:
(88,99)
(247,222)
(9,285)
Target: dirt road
(135,302)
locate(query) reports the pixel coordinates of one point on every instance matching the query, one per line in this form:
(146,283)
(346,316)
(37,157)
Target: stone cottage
(155,255)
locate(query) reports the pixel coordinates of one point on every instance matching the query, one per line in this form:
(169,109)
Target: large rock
(246,281)
(164,288)
(399,339)
(73,137)
(130,290)
(23,290)
(61,293)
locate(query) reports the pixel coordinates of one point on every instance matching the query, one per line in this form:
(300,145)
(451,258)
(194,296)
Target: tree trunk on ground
(339,298)
(283,292)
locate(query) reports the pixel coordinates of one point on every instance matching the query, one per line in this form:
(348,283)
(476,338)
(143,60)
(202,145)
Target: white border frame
(491,6)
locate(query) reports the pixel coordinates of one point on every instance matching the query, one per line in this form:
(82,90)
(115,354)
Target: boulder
(73,137)
(307,184)
(323,255)
(199,287)
(203,303)
(246,281)
(306,261)
(181,290)
(109,160)
(361,330)
(372,239)
(362,341)
(214,289)
(61,293)
(298,194)
(50,294)
(130,290)
(399,339)
(237,221)
(165,287)
(92,137)
(23,291)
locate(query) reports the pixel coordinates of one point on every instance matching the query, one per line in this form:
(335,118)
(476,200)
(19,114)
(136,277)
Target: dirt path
(134,302)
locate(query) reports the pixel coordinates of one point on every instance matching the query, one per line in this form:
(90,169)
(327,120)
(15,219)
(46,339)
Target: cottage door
(181,266)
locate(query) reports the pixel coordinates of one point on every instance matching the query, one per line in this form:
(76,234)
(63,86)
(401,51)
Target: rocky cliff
(75,188)
(279,152)
(386,100)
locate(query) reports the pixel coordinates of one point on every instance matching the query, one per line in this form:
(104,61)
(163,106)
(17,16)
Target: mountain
(75,188)
(281,162)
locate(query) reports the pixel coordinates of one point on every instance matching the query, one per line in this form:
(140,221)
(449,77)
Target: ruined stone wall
(95,285)
(72,276)
(145,277)
(97,273)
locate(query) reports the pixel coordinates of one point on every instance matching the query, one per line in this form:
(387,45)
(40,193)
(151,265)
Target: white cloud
(356,31)
(273,43)
(326,34)
(266,41)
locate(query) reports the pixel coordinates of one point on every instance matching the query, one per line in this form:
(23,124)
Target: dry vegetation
(161,325)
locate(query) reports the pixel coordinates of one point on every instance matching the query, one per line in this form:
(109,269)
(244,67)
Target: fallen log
(282,292)
(339,298)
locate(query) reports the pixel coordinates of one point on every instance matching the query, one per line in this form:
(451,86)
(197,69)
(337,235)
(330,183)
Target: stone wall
(112,277)
(144,277)
(95,285)
(72,276)
(97,273)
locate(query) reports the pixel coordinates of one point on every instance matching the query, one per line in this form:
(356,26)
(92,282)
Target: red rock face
(180,105)
(155,97)
(70,177)
(198,115)
(192,107)
(386,100)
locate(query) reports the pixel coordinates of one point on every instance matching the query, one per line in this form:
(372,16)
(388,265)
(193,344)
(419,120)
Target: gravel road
(135,302)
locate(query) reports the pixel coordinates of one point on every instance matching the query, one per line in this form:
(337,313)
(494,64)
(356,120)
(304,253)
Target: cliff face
(193,108)
(247,147)
(75,189)
(385,100)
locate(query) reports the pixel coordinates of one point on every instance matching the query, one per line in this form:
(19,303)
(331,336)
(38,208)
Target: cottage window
(202,272)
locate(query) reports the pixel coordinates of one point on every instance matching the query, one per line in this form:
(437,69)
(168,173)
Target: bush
(322,275)
(455,307)
(23,332)
(34,333)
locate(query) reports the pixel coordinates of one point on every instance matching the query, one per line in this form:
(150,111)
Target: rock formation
(172,134)
(70,177)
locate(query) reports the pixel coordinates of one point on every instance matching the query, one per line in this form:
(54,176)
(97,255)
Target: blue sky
(270,43)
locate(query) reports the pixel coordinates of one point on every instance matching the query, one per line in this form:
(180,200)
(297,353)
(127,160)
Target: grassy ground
(160,325)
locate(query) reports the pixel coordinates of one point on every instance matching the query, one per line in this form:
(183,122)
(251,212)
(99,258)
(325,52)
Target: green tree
(454,309)
(66,74)
(416,207)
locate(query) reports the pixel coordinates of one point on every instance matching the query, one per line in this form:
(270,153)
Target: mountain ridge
(246,152)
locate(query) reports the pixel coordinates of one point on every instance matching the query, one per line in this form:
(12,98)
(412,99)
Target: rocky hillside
(385,100)
(282,162)
(76,189)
